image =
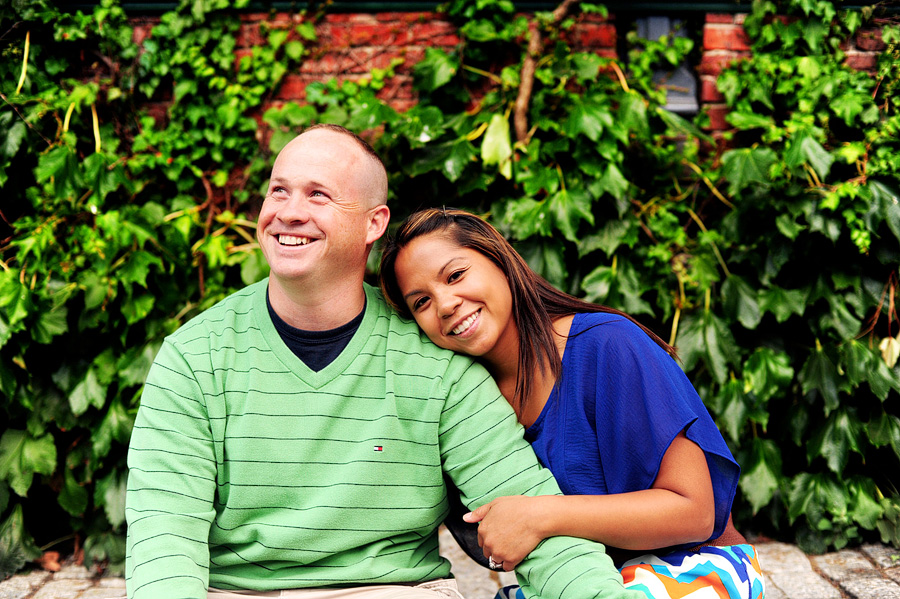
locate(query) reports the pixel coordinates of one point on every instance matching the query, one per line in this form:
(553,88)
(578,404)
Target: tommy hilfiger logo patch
(379,448)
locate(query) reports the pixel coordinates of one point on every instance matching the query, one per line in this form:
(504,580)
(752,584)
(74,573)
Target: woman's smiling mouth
(466,324)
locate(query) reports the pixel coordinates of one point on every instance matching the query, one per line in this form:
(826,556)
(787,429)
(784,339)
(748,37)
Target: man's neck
(316,310)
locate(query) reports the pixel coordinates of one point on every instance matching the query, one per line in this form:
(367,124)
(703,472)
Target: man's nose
(296,209)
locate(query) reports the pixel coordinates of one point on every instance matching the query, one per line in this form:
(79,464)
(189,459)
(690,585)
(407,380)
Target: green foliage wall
(770,259)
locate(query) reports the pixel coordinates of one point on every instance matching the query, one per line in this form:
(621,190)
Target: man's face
(317,217)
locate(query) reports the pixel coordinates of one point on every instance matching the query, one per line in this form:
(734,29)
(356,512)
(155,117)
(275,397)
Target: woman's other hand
(509,528)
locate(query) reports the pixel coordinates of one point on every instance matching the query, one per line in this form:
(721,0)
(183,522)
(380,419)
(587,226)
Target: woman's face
(459,298)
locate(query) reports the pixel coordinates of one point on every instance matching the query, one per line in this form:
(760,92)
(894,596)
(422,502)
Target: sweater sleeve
(171,485)
(484,451)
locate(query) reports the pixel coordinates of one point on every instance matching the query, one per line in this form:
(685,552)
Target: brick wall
(352,44)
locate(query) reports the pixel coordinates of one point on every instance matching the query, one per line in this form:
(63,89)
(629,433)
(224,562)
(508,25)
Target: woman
(606,408)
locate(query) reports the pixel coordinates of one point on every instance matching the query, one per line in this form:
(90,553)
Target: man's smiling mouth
(293,240)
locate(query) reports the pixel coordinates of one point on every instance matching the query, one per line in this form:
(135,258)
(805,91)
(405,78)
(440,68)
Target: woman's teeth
(464,325)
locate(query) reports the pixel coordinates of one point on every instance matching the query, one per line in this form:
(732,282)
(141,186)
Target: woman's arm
(678,508)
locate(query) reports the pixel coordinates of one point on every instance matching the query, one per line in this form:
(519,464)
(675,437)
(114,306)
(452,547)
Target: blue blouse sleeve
(637,400)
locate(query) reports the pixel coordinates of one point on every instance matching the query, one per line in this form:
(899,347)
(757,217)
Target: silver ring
(494,565)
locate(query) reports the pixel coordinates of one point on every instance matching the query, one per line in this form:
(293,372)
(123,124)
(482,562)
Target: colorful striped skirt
(730,572)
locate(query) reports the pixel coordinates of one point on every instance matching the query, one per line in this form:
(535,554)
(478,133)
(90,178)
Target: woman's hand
(509,528)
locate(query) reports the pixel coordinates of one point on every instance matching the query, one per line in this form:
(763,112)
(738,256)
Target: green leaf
(609,238)
(435,70)
(820,375)
(835,439)
(72,497)
(136,268)
(138,308)
(884,430)
(116,425)
(50,324)
(759,482)
(586,118)
(133,367)
(706,338)
(496,147)
(733,411)
(568,209)
(16,545)
(767,373)
(89,392)
(22,456)
(867,510)
(110,493)
(632,113)
(744,167)
(782,302)
(817,496)
(741,301)
(805,149)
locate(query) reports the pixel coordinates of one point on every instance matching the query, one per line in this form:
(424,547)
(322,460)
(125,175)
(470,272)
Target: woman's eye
(419,303)
(454,276)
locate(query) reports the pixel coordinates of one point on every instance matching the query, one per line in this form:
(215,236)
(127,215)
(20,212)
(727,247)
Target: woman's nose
(447,303)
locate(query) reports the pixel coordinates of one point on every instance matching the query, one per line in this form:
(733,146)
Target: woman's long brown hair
(535,302)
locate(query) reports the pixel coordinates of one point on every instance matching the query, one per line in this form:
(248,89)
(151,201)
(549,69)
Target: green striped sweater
(247,470)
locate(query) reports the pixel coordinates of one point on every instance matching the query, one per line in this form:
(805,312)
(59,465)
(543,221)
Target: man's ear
(379,217)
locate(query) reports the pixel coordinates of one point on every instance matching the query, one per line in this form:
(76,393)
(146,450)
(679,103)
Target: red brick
(870,41)
(139,34)
(601,35)
(717,114)
(712,17)
(249,36)
(708,91)
(595,18)
(367,34)
(861,61)
(407,17)
(725,37)
(713,62)
(402,105)
(293,87)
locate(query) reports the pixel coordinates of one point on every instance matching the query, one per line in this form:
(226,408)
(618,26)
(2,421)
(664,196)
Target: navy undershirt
(317,349)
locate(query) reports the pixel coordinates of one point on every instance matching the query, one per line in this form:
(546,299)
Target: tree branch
(529,65)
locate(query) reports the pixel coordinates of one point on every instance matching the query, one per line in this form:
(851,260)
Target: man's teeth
(293,240)
(464,325)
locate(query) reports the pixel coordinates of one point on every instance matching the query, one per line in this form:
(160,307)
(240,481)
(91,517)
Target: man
(295,435)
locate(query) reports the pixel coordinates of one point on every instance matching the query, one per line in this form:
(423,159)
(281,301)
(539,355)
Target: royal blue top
(620,402)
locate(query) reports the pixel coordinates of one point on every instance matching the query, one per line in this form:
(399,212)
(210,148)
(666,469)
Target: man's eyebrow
(441,271)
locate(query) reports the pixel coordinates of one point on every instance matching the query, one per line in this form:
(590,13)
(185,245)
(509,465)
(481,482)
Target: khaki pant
(442,588)
(434,589)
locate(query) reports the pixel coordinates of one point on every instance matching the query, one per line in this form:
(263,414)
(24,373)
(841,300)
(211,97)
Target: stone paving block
(804,585)
(111,582)
(893,574)
(841,565)
(62,589)
(870,587)
(73,572)
(781,557)
(883,556)
(22,585)
(101,593)
(772,591)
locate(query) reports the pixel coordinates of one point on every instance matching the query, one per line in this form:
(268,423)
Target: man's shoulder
(222,316)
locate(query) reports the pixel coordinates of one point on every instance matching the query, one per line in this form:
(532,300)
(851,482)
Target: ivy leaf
(22,456)
(788,226)
(136,268)
(116,425)
(805,149)
(782,302)
(747,166)
(16,545)
(885,430)
(740,300)
(866,509)
(609,238)
(835,439)
(496,147)
(72,497)
(110,493)
(762,472)
(889,202)
(50,324)
(633,114)
(848,106)
(586,118)
(706,338)
(819,374)
(598,284)
(435,70)
(816,496)
(569,208)
(732,408)
(546,259)
(135,364)
(749,120)
(767,373)
(89,392)
(138,308)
